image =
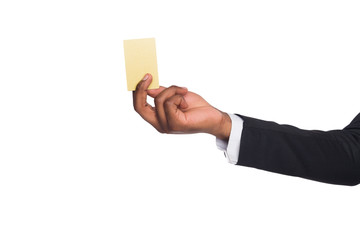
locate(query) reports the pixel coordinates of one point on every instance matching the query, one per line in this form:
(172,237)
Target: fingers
(155,92)
(168,104)
(175,117)
(160,100)
(146,111)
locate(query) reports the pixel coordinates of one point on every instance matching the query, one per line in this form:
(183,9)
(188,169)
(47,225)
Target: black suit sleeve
(331,157)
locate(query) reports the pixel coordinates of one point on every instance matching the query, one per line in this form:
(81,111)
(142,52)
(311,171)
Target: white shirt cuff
(232,147)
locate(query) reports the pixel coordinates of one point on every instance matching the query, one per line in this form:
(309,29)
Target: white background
(77,162)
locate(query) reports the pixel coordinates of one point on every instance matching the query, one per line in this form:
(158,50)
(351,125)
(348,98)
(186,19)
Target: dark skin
(178,110)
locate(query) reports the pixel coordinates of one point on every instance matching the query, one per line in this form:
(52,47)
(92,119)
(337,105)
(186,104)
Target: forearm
(316,155)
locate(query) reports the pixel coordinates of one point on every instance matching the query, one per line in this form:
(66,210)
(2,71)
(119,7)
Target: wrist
(223,129)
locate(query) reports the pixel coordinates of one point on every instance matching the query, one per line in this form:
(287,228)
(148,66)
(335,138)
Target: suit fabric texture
(325,156)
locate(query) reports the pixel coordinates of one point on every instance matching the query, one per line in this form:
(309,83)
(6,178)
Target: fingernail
(146,77)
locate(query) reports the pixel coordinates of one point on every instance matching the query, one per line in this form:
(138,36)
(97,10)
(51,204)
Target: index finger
(154,92)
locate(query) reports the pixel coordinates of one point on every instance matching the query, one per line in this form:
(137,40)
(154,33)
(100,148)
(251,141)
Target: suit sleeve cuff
(231,148)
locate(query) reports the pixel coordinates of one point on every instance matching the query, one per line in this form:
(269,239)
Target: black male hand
(178,110)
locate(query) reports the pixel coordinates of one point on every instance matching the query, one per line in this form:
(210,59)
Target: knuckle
(160,130)
(174,87)
(163,131)
(158,100)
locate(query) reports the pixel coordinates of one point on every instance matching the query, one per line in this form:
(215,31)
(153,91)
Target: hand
(178,110)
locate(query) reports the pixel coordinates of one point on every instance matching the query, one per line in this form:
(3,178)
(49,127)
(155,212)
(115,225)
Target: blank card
(140,58)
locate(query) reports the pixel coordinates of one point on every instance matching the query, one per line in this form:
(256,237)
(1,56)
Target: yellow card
(140,58)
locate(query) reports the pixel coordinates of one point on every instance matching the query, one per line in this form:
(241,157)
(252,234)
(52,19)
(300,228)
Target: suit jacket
(331,156)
